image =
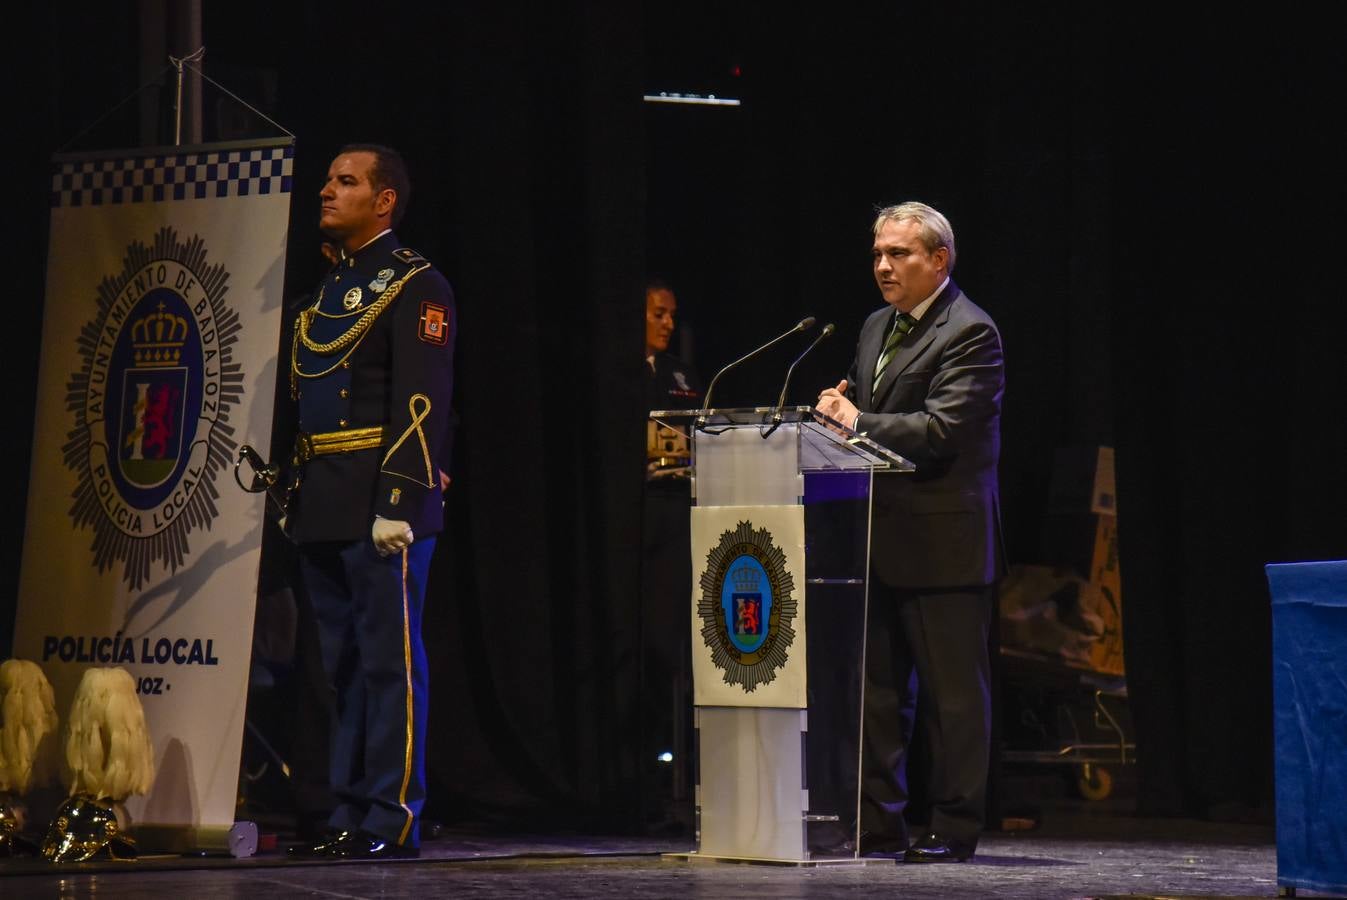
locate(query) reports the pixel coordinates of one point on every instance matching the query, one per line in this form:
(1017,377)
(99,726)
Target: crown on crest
(157,339)
(745,577)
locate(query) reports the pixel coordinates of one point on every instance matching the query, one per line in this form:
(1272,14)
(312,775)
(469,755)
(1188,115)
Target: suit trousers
(368,610)
(926,659)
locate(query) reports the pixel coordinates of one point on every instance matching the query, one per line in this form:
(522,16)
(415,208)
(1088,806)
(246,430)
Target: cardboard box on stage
(1081,533)
(1107,653)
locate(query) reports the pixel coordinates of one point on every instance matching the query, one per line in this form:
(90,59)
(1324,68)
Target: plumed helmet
(9,823)
(83,829)
(9,829)
(12,840)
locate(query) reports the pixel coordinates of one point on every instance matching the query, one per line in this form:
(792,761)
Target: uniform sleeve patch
(435,323)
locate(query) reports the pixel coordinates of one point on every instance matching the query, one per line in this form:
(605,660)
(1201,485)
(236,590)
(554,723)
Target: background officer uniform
(666,591)
(372,372)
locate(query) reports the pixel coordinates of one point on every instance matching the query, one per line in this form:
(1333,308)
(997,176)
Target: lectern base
(239,840)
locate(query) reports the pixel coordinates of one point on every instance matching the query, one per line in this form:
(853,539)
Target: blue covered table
(1309,686)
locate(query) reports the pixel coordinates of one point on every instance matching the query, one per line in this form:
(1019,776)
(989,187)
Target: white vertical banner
(748,634)
(163,311)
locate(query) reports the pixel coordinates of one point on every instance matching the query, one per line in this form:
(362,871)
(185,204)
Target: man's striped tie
(902,324)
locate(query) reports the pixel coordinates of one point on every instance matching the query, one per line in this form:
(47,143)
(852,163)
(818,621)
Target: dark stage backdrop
(1145,205)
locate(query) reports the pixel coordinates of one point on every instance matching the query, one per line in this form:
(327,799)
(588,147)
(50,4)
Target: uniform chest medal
(380,282)
(352,298)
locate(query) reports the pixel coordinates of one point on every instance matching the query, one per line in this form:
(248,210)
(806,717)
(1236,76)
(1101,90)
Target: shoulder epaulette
(409,256)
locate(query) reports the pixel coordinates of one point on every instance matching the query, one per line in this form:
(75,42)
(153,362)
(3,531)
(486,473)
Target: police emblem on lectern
(155,386)
(747,606)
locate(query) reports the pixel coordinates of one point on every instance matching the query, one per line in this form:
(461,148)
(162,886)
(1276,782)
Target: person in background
(666,576)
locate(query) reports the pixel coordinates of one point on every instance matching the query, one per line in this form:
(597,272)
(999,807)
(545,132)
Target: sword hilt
(265,476)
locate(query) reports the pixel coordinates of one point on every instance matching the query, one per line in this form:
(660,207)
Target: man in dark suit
(372,374)
(927,383)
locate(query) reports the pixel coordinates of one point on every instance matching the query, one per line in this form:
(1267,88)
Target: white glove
(391,535)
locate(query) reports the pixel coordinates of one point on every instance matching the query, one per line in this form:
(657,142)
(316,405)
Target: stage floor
(1070,855)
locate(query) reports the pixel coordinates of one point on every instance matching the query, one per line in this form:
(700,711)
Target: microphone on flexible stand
(803,325)
(781,400)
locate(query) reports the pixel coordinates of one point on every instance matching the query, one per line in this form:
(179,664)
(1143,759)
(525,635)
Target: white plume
(27,727)
(108,747)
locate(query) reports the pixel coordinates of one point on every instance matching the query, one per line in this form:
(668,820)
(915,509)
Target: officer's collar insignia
(352,298)
(380,282)
(408,255)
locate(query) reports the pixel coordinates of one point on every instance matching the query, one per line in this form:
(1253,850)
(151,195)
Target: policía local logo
(747,608)
(151,404)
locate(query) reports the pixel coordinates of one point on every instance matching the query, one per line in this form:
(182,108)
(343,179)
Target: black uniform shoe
(360,844)
(933,848)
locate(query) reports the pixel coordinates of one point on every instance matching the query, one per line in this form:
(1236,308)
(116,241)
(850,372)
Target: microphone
(803,325)
(781,400)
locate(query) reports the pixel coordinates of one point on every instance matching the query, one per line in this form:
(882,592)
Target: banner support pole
(177,63)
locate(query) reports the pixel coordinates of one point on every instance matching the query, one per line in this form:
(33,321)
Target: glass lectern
(780,562)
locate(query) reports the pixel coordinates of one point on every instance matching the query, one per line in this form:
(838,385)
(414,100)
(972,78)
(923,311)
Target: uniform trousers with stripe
(368,610)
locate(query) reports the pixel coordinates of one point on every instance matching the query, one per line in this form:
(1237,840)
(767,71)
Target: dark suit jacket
(939,405)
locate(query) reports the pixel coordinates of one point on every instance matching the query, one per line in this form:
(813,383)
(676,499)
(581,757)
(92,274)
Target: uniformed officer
(670,383)
(666,576)
(372,373)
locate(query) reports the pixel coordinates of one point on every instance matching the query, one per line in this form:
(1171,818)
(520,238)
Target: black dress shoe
(360,844)
(872,846)
(882,846)
(933,848)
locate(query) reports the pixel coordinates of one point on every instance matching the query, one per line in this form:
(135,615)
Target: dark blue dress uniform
(372,373)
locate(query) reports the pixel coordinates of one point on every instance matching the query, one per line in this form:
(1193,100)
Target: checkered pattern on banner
(179,176)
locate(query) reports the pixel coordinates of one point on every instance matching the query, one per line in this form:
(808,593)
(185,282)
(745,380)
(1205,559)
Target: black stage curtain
(1144,203)
(534,705)
(1230,377)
